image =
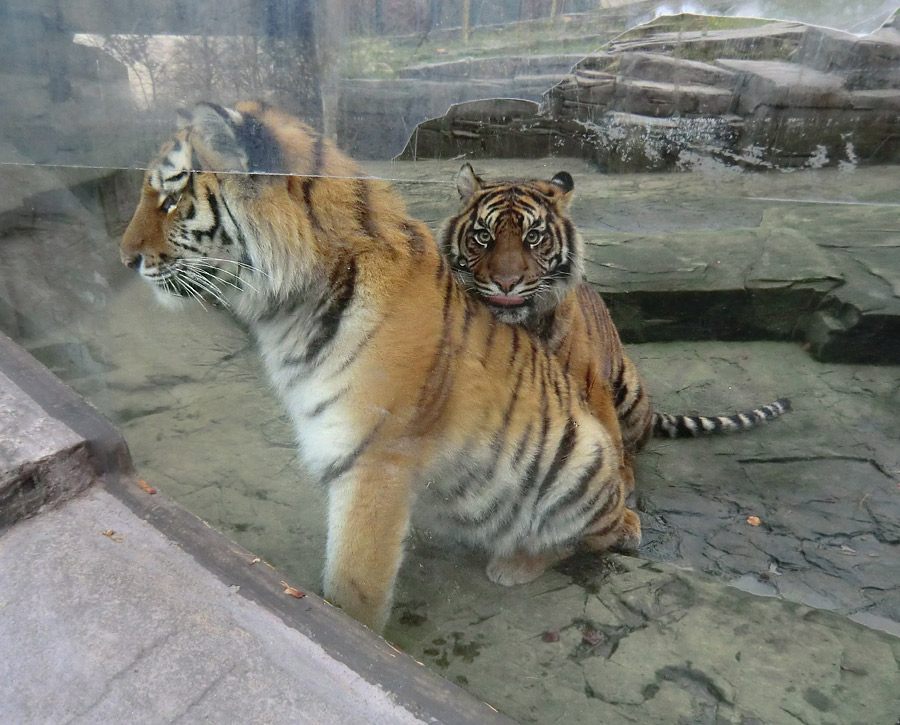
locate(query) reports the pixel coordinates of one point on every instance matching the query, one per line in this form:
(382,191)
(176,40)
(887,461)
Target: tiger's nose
(132,260)
(506,283)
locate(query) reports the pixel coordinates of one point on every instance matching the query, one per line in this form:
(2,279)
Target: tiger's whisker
(199,264)
(208,275)
(212,290)
(240,265)
(206,285)
(193,293)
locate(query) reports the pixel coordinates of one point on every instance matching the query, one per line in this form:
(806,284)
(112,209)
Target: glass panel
(735,188)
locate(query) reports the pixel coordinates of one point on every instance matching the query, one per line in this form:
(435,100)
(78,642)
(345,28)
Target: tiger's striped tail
(692,426)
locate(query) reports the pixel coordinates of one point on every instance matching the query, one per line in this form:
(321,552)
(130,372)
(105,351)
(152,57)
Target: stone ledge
(786,85)
(53,445)
(780,37)
(647,66)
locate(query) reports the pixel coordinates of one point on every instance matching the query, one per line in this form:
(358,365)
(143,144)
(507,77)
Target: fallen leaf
(146,486)
(109,533)
(288,589)
(753,520)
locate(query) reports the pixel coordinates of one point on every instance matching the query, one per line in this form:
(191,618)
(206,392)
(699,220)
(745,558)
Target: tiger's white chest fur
(317,394)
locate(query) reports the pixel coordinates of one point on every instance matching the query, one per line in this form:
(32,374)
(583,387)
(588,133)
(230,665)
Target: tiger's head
(185,238)
(511,244)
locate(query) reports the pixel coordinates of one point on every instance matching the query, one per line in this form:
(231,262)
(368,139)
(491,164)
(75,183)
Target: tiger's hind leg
(521,568)
(368,518)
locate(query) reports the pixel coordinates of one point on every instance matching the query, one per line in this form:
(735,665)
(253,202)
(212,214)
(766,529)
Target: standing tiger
(512,246)
(403,390)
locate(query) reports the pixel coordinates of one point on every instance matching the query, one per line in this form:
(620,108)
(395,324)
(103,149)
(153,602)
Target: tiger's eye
(483,237)
(533,237)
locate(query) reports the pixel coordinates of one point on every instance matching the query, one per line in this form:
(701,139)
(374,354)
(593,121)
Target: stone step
(832,51)
(193,596)
(602,92)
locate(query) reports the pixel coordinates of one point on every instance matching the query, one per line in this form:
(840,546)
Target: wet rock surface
(632,641)
(823,480)
(717,620)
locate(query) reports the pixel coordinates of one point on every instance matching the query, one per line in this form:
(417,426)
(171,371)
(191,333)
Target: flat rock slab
(785,85)
(831,50)
(632,641)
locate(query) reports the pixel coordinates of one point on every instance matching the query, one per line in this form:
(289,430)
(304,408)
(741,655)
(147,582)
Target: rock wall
(377,117)
(779,96)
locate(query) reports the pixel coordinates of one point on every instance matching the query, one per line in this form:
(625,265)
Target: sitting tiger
(404,392)
(512,246)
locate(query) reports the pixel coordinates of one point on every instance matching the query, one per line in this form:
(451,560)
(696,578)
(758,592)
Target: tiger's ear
(213,135)
(467,182)
(563,181)
(182,118)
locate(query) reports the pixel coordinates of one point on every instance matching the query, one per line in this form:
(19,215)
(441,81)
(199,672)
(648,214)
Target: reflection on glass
(735,186)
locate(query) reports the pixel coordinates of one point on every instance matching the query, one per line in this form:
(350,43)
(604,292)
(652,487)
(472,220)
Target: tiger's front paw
(520,568)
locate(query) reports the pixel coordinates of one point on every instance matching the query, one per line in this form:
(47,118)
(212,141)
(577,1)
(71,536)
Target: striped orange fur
(408,398)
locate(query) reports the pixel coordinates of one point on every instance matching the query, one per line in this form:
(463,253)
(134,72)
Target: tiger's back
(581,333)
(402,390)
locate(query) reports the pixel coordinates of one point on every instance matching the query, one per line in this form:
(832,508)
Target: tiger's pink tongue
(507,300)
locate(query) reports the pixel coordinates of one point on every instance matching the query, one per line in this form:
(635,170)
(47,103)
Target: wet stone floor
(796,620)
